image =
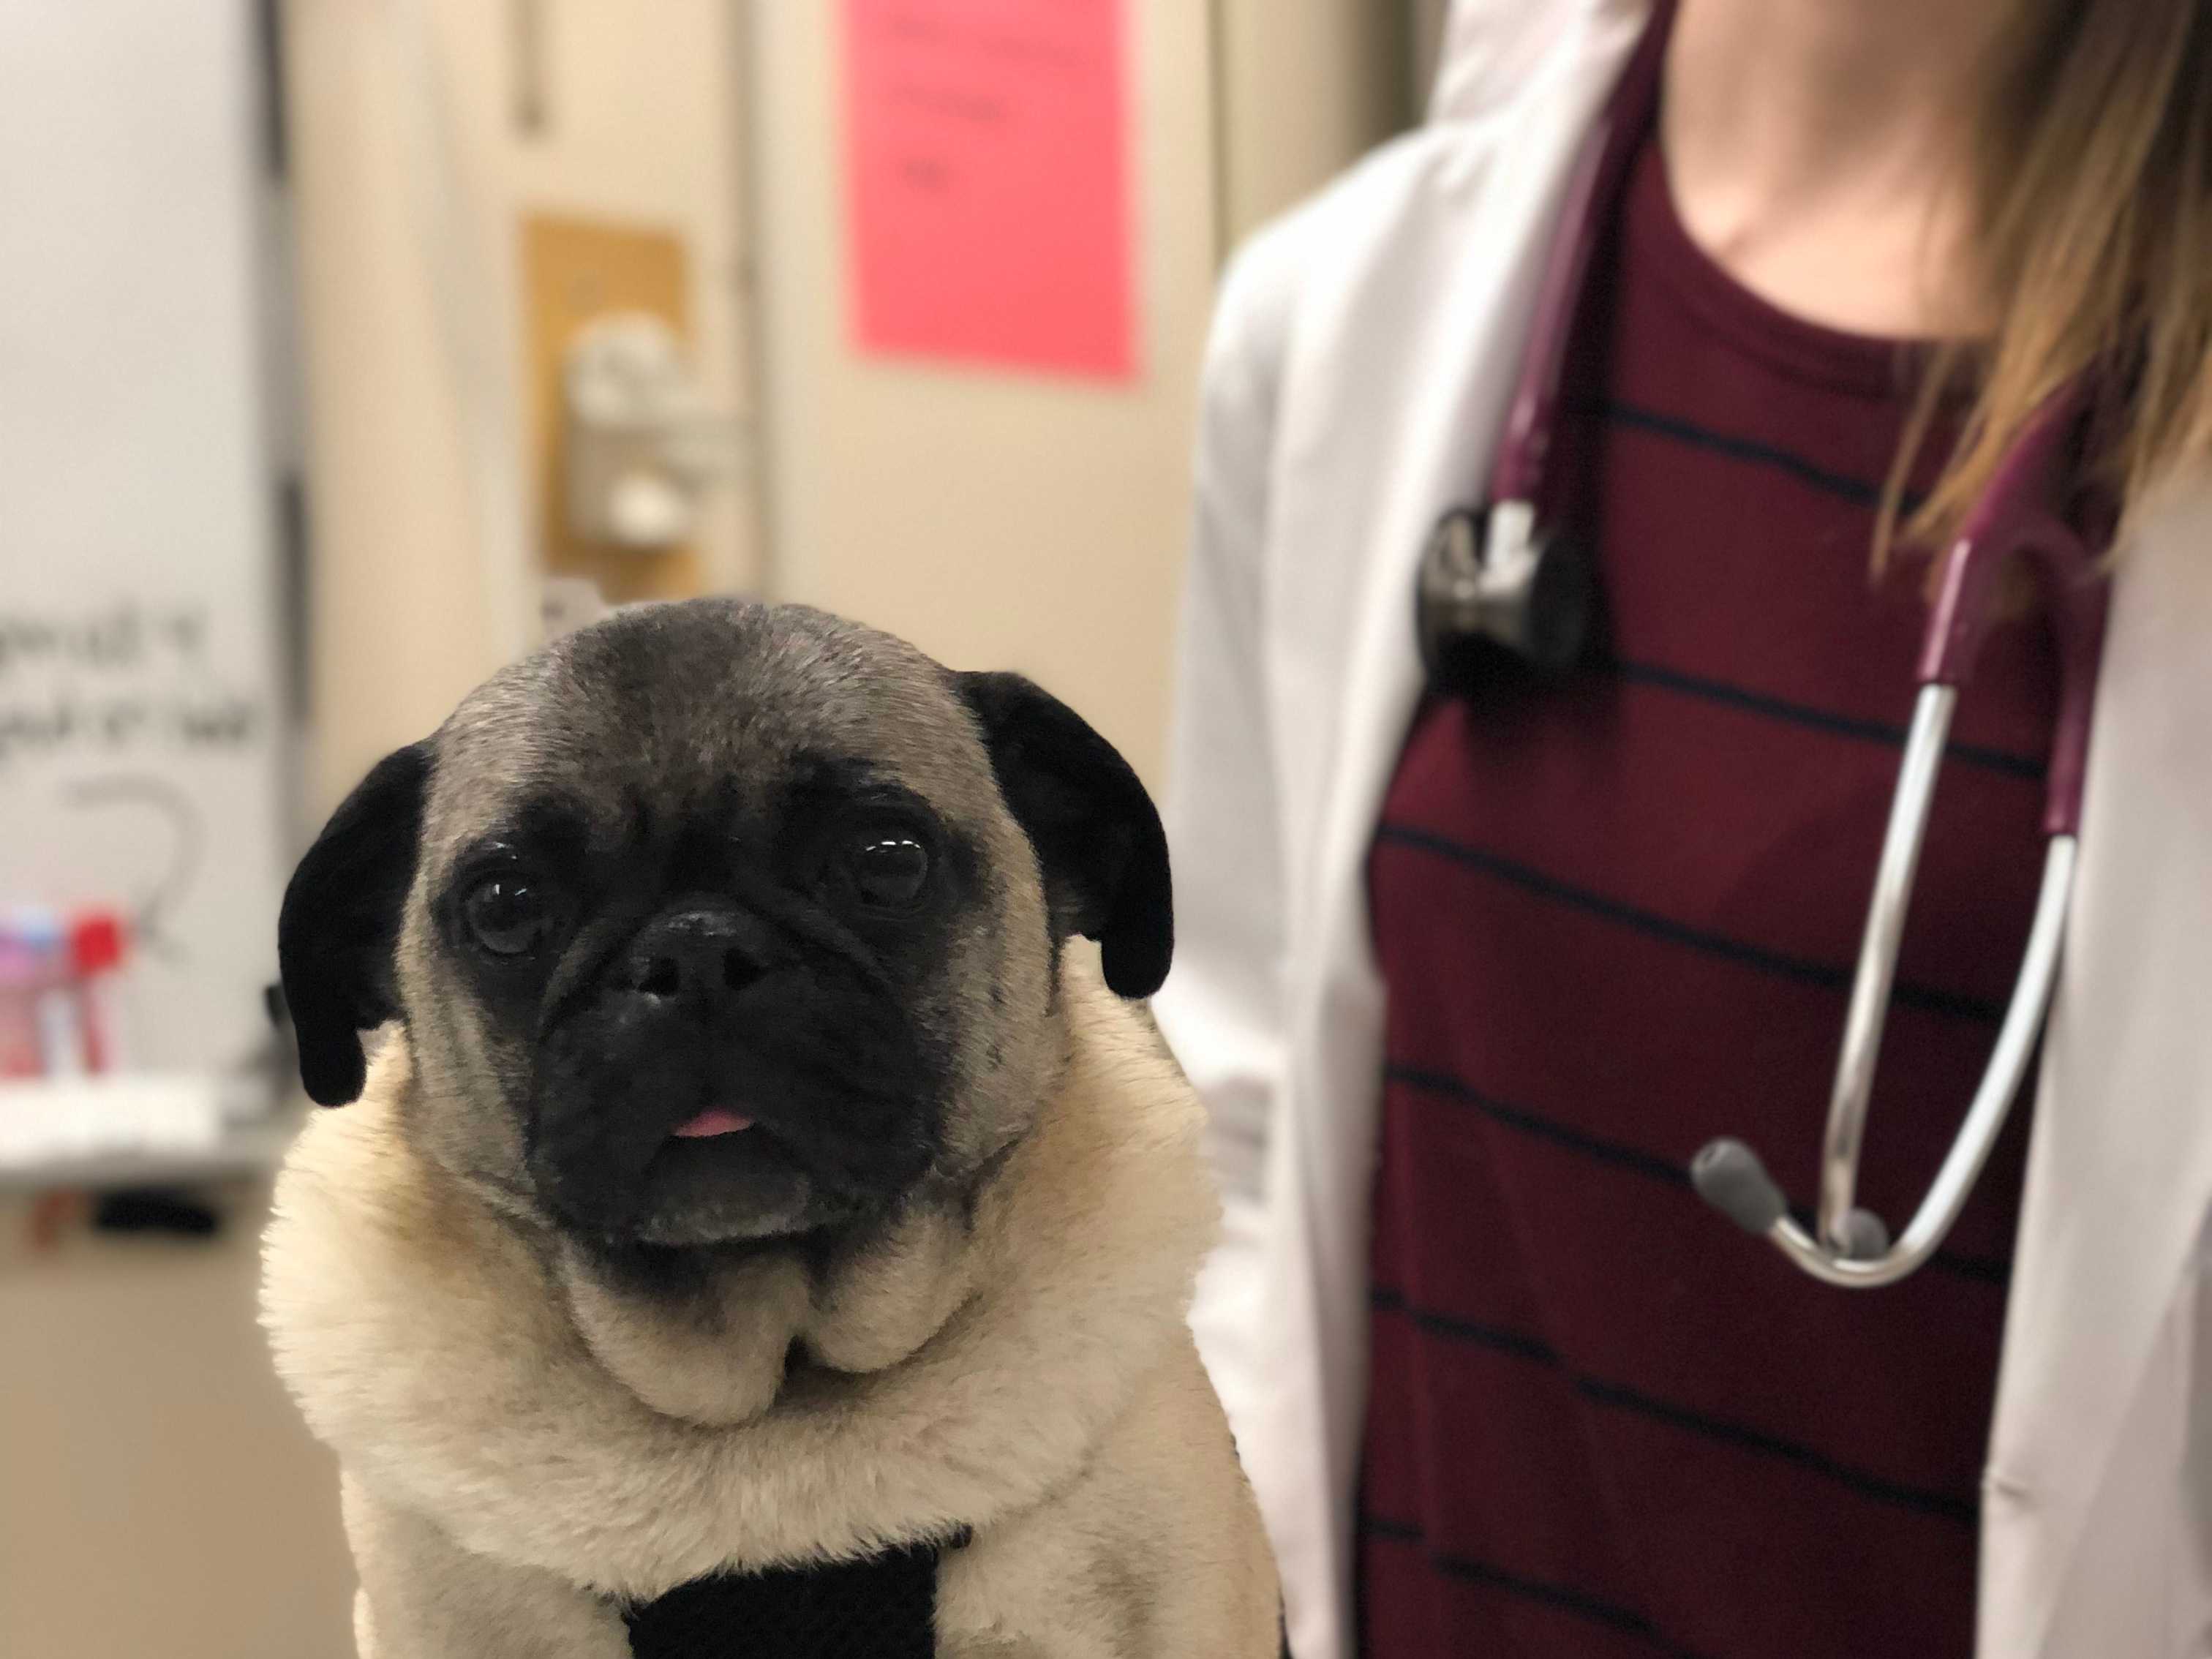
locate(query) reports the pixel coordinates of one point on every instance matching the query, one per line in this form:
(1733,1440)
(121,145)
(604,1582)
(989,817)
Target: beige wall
(999,520)
(413,176)
(161,1496)
(1307,85)
(1003,520)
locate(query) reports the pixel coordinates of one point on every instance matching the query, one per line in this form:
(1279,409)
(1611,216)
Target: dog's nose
(699,954)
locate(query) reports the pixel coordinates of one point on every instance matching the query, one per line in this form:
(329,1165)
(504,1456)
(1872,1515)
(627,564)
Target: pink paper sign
(987,182)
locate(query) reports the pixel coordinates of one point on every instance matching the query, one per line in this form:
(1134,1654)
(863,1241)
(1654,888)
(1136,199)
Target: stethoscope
(1504,593)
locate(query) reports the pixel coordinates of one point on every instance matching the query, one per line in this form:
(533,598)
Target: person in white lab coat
(1363,354)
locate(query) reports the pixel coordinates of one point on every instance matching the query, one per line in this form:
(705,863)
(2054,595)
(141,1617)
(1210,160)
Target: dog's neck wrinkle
(716,1351)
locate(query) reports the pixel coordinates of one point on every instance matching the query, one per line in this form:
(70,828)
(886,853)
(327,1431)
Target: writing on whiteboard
(122,678)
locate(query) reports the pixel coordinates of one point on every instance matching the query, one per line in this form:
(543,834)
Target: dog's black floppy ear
(340,923)
(1097,836)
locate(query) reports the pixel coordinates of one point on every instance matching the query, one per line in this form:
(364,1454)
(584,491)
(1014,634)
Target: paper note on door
(986,182)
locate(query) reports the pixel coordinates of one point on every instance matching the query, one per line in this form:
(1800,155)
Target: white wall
(157,1493)
(137,505)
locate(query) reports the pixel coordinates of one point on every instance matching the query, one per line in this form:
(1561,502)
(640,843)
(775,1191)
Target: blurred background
(351,347)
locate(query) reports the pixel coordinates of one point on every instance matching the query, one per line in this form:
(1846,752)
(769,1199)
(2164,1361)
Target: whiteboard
(143,735)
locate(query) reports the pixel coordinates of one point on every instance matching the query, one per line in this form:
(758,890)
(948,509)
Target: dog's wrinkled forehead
(684,706)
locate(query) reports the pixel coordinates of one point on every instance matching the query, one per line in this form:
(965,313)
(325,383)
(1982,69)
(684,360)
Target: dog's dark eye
(508,916)
(888,869)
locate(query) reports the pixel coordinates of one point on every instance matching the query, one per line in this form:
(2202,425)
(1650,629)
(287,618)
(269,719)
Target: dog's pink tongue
(714,1120)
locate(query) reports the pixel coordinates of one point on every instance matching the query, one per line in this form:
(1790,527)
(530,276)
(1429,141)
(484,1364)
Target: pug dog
(760,1224)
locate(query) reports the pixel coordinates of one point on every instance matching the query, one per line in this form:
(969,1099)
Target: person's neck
(1817,151)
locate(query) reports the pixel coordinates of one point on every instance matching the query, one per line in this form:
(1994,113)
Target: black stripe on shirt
(1981,1270)
(1859,492)
(1821,719)
(1575,1601)
(1827,975)
(1384,1300)
(1543,1128)
(1943,1505)
(1618,1397)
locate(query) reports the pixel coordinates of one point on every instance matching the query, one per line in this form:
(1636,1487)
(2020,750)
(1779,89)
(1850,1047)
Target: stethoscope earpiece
(1495,598)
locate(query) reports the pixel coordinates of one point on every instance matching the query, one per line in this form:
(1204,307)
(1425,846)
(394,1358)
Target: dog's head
(719,921)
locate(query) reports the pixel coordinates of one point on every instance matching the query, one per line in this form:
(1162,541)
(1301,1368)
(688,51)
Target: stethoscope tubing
(1846,1248)
(1502,584)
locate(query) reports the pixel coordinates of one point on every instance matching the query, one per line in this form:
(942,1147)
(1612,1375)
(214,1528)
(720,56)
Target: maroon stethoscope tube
(1491,590)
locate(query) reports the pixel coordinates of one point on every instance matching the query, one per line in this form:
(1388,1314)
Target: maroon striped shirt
(1618,919)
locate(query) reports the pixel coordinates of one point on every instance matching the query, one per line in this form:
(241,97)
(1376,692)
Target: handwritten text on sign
(987,193)
(115,679)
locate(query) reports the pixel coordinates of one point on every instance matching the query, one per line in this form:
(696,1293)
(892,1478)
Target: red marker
(96,953)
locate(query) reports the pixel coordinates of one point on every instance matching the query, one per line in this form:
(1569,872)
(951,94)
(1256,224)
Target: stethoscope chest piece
(1497,598)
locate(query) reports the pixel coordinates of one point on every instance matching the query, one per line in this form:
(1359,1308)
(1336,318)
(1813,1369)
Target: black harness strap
(883,1608)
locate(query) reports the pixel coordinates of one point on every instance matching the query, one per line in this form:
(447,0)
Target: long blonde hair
(2091,230)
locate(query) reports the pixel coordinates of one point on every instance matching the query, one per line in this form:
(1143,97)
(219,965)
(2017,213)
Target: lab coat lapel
(1397,383)
(1394,389)
(2120,1169)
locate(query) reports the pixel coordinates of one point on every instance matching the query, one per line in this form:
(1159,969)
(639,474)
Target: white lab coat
(1361,358)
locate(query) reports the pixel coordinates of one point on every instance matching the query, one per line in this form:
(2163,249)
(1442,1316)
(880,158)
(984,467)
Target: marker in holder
(61,1011)
(96,957)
